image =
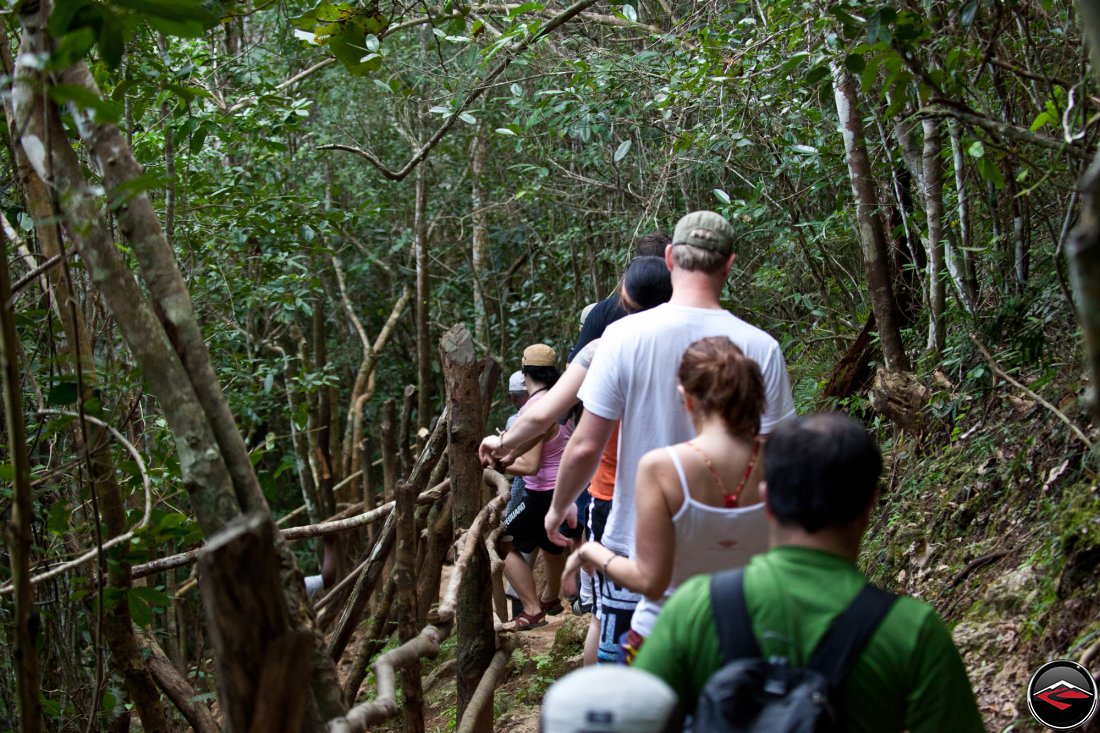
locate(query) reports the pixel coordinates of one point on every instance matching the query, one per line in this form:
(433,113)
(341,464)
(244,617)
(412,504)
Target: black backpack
(750,694)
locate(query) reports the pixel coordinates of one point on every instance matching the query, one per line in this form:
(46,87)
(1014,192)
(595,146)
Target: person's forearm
(623,570)
(575,471)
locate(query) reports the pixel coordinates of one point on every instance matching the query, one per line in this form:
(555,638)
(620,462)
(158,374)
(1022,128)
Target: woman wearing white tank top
(698,502)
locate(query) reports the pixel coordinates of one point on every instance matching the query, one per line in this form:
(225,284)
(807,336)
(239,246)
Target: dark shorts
(525,523)
(598,509)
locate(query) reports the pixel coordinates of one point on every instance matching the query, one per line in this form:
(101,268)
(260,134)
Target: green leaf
(131,189)
(622,150)
(855,63)
(804,149)
(504,131)
(180,28)
(154,597)
(172,10)
(524,8)
(991,172)
(630,13)
(104,110)
(63,393)
(198,139)
(58,520)
(721,195)
(140,612)
(64,14)
(976,149)
(112,41)
(1042,120)
(468,118)
(72,47)
(816,74)
(968,12)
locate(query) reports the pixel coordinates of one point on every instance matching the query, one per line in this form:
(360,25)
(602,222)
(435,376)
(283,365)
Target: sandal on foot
(552,607)
(525,621)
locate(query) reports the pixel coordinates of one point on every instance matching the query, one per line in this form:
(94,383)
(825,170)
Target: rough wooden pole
(367,485)
(474,611)
(262,663)
(404,576)
(389,449)
(406,422)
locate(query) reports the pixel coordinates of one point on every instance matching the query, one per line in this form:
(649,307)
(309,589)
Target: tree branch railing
(291,534)
(426,644)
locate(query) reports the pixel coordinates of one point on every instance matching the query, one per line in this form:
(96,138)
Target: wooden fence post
(404,566)
(474,610)
(263,665)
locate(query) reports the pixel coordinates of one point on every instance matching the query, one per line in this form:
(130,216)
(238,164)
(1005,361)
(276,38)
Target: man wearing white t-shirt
(633,379)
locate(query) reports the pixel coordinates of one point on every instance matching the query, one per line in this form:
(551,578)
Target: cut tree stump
(263,665)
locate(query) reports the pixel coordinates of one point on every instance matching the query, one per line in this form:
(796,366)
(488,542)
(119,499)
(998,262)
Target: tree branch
(1002,129)
(399,175)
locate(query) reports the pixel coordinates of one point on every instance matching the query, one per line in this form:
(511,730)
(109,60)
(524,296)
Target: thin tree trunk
(933,208)
(18,529)
(963,259)
(423,303)
(474,609)
(167,343)
(478,150)
(325,476)
(876,261)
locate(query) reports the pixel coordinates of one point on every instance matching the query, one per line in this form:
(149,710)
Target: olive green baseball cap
(706,230)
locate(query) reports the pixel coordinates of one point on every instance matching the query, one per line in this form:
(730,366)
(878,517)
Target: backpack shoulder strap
(845,640)
(731,616)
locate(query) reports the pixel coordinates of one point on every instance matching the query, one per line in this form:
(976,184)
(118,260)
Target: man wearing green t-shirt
(821,474)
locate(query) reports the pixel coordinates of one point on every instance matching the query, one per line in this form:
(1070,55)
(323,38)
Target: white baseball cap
(516,383)
(608,698)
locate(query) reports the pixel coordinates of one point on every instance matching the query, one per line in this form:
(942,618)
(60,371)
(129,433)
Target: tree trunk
(325,478)
(478,149)
(964,275)
(474,610)
(18,529)
(423,303)
(261,661)
(165,339)
(933,209)
(876,261)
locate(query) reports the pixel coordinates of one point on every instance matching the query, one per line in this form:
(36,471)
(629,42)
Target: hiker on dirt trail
(539,468)
(646,284)
(595,318)
(821,484)
(517,394)
(633,379)
(698,502)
